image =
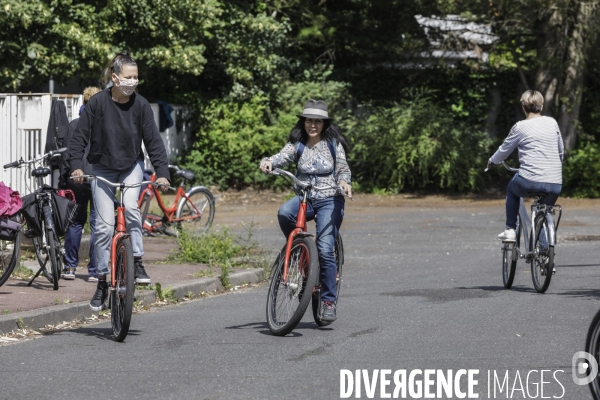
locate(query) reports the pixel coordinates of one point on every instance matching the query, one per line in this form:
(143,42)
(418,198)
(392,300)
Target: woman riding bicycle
(541,153)
(319,152)
(116,121)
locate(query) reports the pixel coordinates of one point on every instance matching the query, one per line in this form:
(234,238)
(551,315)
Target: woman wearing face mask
(116,121)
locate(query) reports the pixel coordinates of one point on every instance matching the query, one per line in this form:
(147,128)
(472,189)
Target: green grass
(220,250)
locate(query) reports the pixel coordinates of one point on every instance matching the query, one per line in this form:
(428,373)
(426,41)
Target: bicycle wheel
(9,256)
(121,299)
(339,259)
(542,262)
(198,209)
(54,257)
(41,253)
(509,265)
(287,302)
(592,346)
(316,298)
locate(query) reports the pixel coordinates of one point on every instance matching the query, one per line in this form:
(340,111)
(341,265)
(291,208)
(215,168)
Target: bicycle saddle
(186,174)
(41,171)
(539,195)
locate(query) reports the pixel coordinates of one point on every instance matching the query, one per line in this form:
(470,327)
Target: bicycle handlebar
(50,154)
(338,189)
(508,167)
(126,185)
(11,165)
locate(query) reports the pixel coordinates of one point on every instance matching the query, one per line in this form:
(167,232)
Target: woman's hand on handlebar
(164,184)
(75,174)
(266,166)
(490,165)
(347,188)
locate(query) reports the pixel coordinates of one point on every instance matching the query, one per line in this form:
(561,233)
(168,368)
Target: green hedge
(580,172)
(417,143)
(416,146)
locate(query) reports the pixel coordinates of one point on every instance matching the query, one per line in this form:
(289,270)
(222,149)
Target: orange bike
(195,207)
(295,273)
(122,275)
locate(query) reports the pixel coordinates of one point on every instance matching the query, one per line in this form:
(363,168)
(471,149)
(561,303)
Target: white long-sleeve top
(540,146)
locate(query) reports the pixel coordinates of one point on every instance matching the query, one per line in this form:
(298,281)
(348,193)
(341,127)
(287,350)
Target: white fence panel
(23,131)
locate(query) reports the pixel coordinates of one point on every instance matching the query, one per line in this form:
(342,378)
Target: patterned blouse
(316,166)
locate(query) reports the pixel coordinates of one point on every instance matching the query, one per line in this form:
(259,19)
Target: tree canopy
(373,60)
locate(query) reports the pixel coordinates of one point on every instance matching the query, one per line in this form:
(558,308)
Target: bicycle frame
(45,218)
(121,232)
(300,228)
(169,212)
(527,226)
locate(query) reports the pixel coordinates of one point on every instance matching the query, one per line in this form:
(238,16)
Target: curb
(35,319)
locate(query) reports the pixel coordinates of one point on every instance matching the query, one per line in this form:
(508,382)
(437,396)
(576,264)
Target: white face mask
(126,86)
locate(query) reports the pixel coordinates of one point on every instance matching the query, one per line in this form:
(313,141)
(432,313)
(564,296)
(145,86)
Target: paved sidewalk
(38,305)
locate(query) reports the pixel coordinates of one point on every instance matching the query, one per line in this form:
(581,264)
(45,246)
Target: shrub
(580,172)
(416,146)
(232,140)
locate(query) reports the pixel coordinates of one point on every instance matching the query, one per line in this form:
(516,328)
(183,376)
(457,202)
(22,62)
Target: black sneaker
(329,313)
(140,273)
(100,296)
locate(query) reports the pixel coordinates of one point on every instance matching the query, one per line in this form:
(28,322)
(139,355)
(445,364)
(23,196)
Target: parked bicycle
(295,273)
(47,217)
(122,271)
(539,233)
(196,207)
(10,244)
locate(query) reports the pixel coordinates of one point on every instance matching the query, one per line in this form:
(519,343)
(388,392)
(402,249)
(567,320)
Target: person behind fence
(116,122)
(322,161)
(83,197)
(541,153)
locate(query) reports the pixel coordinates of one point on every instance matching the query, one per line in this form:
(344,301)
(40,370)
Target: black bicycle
(47,216)
(10,244)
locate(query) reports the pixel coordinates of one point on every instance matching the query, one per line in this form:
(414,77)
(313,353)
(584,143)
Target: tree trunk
(551,53)
(572,89)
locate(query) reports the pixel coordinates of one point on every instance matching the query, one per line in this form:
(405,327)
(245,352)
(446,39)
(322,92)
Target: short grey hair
(532,101)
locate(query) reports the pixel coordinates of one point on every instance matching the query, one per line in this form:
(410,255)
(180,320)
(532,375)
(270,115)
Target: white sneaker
(508,235)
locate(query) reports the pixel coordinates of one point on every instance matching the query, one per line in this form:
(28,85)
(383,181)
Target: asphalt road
(421,290)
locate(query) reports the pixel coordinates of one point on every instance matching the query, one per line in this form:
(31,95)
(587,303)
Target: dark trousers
(520,187)
(83,197)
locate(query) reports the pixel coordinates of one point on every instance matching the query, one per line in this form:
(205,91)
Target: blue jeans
(520,187)
(105,208)
(83,196)
(328,214)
